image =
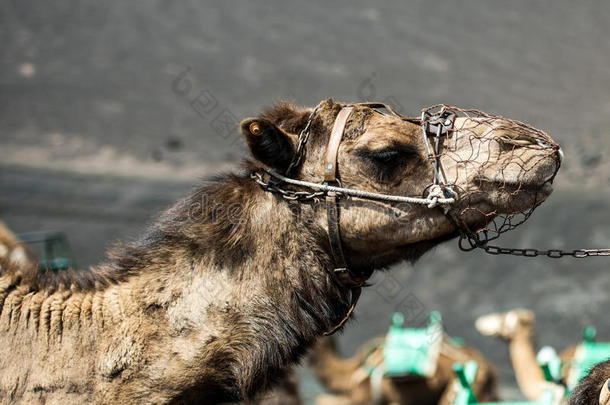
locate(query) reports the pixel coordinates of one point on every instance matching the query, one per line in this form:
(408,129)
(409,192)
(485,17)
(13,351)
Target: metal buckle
(439,124)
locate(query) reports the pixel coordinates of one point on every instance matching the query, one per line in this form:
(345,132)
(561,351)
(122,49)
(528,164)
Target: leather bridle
(439,193)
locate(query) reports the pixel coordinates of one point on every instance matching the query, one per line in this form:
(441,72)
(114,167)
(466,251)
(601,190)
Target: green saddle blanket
(412,351)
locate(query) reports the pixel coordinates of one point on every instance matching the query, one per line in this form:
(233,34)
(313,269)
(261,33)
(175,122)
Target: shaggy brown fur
(344,378)
(231,285)
(589,390)
(286,392)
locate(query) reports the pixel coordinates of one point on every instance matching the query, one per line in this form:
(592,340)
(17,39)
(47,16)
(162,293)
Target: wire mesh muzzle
(501,169)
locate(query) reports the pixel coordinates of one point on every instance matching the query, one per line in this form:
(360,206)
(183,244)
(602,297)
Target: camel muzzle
(501,170)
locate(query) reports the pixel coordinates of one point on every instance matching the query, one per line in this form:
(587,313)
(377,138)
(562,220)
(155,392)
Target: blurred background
(102,127)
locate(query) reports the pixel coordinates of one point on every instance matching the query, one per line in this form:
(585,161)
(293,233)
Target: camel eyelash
(384,164)
(388,156)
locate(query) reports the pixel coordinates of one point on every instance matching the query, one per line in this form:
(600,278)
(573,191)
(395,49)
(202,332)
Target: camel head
(507,324)
(495,168)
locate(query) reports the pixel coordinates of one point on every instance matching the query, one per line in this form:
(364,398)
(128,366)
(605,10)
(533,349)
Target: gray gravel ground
(97,135)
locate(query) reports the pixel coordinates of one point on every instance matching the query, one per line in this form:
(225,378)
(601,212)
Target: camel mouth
(544,189)
(506,191)
(503,197)
(494,208)
(534,174)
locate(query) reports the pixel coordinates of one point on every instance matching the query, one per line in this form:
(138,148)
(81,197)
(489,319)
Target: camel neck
(527,371)
(254,266)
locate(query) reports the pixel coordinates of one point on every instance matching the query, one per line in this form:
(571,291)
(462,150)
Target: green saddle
(588,354)
(464,395)
(412,351)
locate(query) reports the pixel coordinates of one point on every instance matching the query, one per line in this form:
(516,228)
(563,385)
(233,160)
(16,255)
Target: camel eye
(388,156)
(385,164)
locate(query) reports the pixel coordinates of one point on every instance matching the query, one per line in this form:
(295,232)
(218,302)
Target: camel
(352,383)
(593,389)
(232,284)
(517,327)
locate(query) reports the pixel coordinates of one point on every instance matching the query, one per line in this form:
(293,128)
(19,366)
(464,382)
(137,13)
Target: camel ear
(268,143)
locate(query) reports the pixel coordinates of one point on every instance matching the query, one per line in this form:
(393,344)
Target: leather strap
(377,105)
(355,296)
(381,105)
(341,272)
(343,275)
(330,163)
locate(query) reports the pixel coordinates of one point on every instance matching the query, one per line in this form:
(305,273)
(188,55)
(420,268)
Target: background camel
(351,382)
(233,283)
(517,328)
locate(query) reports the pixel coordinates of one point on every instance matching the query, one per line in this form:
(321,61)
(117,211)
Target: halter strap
(344,276)
(332,150)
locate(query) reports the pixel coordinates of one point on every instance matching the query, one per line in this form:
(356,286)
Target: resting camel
(517,327)
(232,284)
(351,383)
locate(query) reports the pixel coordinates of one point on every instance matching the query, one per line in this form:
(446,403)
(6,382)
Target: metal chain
(475,243)
(303,137)
(289,195)
(552,253)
